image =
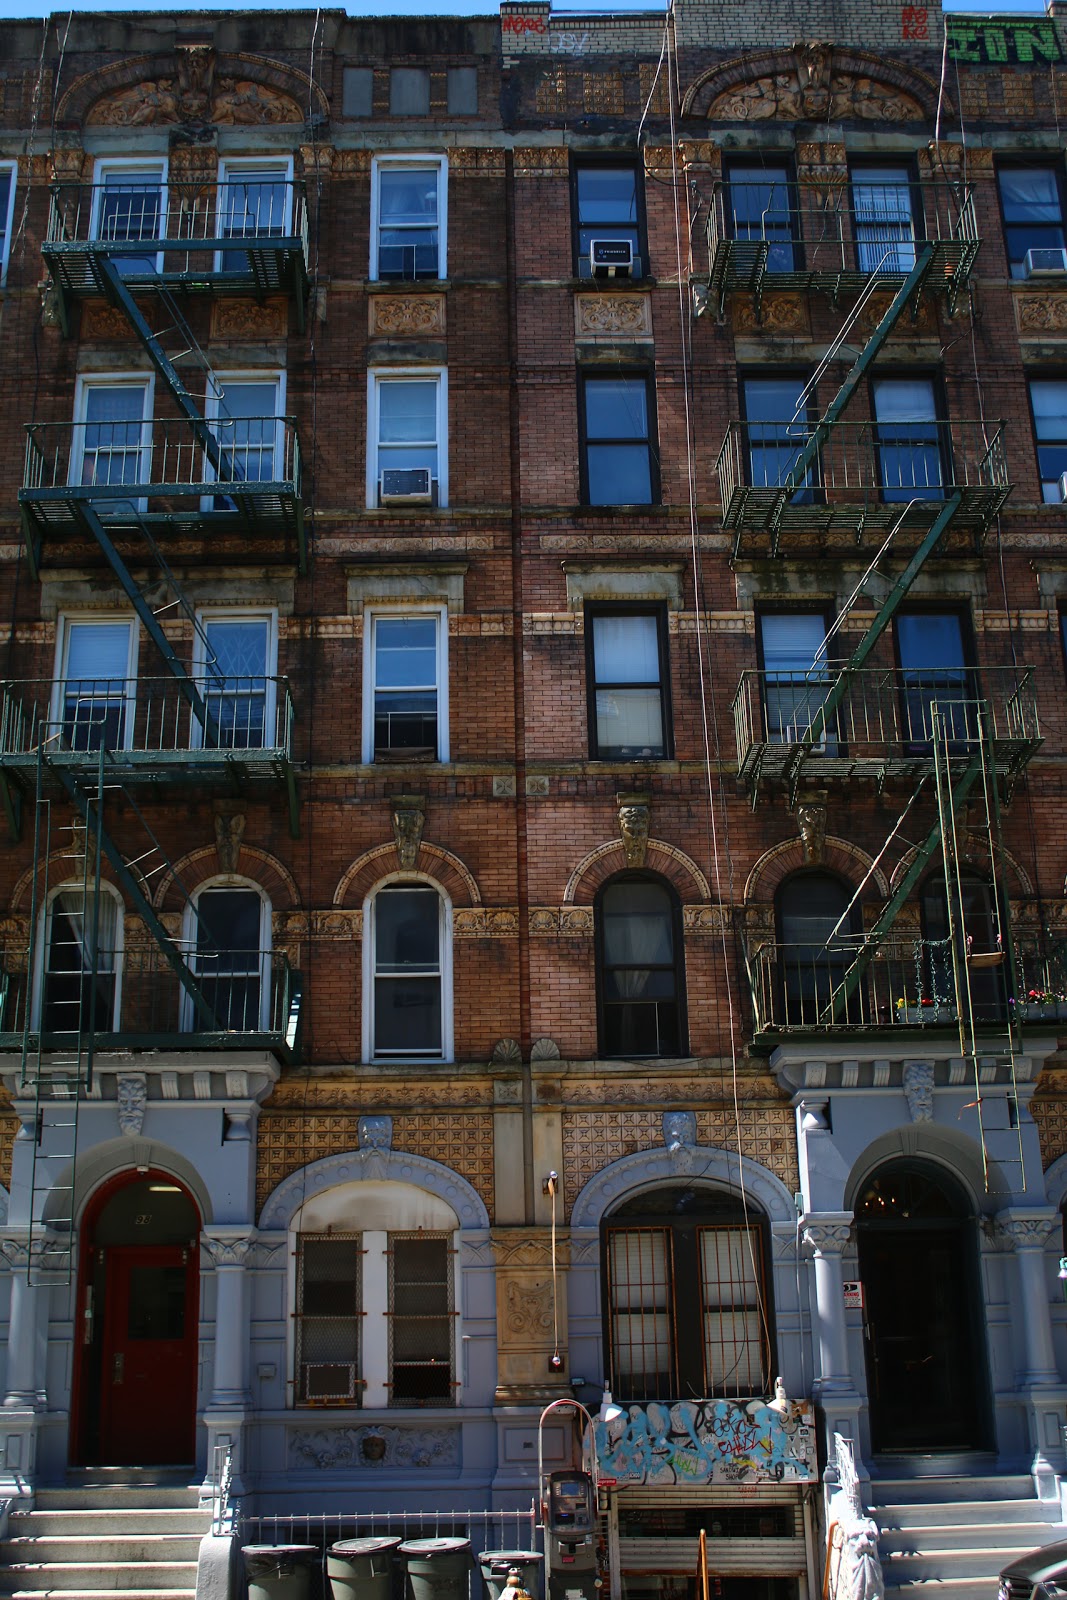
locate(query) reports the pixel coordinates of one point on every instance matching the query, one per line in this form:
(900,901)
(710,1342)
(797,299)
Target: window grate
(735,1353)
(639,1265)
(421,1319)
(328,1318)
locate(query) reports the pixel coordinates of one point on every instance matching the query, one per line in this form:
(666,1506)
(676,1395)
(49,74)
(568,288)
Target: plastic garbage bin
(496,1564)
(437,1569)
(279,1571)
(361,1569)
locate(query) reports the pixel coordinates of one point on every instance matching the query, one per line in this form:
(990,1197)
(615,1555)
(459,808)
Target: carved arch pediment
(191,87)
(812,82)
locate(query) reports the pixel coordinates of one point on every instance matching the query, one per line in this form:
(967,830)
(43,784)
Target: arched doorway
(134,1401)
(926,1367)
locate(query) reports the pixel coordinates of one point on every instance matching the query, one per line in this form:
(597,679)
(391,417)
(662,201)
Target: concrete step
(117,1497)
(939,1513)
(947,1589)
(121,1547)
(144,1576)
(924,1488)
(930,1566)
(102,1521)
(106,1594)
(1004,1537)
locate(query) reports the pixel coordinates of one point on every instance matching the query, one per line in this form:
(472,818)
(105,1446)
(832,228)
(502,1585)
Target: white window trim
(370,617)
(227,166)
(275,375)
(189,1021)
(108,164)
(59,671)
(379,164)
(447,1051)
(375,378)
(8,222)
(145,381)
(41,954)
(237,614)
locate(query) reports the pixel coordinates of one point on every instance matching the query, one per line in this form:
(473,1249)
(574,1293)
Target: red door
(148,1370)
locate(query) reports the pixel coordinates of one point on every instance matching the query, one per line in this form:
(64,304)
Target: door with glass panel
(882,219)
(778,425)
(244,420)
(130,206)
(239,697)
(796,676)
(228,961)
(909,439)
(79,988)
(408,221)
(935,675)
(763,207)
(94,694)
(254,203)
(111,442)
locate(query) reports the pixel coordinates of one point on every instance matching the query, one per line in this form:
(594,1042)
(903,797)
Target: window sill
(407,285)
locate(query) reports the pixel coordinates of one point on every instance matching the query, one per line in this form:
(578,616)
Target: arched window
(639,968)
(687,1310)
(816,933)
(80,963)
(979,951)
(407,973)
(228,938)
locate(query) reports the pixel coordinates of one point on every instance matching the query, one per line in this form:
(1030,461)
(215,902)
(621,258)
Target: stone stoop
(956,1532)
(111,1531)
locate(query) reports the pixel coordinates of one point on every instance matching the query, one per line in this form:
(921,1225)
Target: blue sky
(410,8)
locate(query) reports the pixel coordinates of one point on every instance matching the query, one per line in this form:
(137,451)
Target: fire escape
(890,496)
(82,758)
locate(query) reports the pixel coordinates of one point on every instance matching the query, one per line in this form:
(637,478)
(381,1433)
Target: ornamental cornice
(827,1234)
(1027,1230)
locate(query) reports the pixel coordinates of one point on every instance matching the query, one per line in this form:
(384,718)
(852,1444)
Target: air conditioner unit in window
(1045,263)
(329,1380)
(405,486)
(612,258)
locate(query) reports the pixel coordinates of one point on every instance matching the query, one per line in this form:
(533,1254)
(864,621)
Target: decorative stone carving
(375,1134)
(68,157)
(634,814)
(528,1307)
(1027,1233)
(827,1238)
(918,1079)
(408,818)
(195,81)
(779,313)
(812,90)
(245,319)
(50,317)
(229,831)
(705,919)
(811,820)
(1041,313)
(406,315)
(485,922)
(235,101)
(131,1090)
(544,1050)
(613,316)
(506,1052)
(576,920)
(331,1449)
(100,321)
(229,1251)
(337,924)
(680,1138)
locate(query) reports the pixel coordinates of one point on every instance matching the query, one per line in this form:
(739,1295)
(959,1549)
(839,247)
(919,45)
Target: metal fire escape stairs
(961,777)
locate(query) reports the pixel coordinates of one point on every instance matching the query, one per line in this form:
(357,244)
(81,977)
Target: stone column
(23,1331)
(229,1249)
(1043,1390)
(826,1235)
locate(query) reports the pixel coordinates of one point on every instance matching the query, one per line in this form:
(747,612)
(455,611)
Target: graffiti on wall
(707,1441)
(1000,41)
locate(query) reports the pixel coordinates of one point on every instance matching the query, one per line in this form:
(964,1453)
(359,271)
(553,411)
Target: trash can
(361,1569)
(437,1569)
(279,1571)
(496,1564)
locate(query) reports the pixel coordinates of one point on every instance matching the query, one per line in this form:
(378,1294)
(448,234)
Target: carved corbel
(408,817)
(229,831)
(811,821)
(634,814)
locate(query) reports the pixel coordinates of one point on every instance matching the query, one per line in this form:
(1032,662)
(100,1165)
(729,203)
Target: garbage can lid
(514,1558)
(434,1547)
(281,1550)
(364,1547)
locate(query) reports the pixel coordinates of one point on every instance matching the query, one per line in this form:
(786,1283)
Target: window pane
(728,1262)
(619,475)
(1048,401)
(95,687)
(405,686)
(357,92)
(409,92)
(405,651)
(776,415)
(733,1353)
(881,205)
(407,219)
(407,411)
(462,91)
(235,682)
(629,721)
(760,202)
(626,649)
(407,930)
(407,1016)
(328,1318)
(638,1266)
(607,194)
(637,925)
(79,990)
(908,439)
(616,408)
(629,724)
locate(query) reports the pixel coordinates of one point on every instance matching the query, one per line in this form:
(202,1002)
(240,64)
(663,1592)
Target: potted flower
(925,1011)
(1038,1004)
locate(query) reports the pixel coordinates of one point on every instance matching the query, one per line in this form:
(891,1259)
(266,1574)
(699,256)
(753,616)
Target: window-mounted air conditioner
(329,1380)
(1045,263)
(405,486)
(612,258)
(1063,485)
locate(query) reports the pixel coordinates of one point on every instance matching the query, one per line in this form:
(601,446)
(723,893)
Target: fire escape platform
(745,266)
(258,267)
(270,510)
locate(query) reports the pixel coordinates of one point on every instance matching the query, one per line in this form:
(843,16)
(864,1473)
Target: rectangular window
(8,178)
(229,960)
(908,439)
(409,92)
(762,206)
(235,664)
(421,1321)
(796,673)
(935,671)
(79,991)
(405,673)
(618,457)
(328,1318)
(407,458)
(408,944)
(245,415)
(732,1295)
(1031,201)
(130,207)
(778,422)
(882,218)
(96,668)
(628,685)
(408,217)
(255,202)
(639,1272)
(357,93)
(462,91)
(608,204)
(112,436)
(1048,404)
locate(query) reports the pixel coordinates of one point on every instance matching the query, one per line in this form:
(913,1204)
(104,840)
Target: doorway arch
(134,1393)
(927,1378)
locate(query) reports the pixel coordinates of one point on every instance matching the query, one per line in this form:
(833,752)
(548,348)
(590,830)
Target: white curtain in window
(637,935)
(1031,192)
(72,927)
(638,1263)
(904,400)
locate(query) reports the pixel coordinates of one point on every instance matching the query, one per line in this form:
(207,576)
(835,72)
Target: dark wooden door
(148,1370)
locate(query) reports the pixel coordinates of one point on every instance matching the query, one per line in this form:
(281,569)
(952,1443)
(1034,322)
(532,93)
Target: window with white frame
(245,410)
(408,217)
(79,962)
(255,201)
(228,942)
(374,1298)
(405,678)
(235,661)
(112,435)
(407,974)
(407,450)
(129,211)
(8,178)
(94,684)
